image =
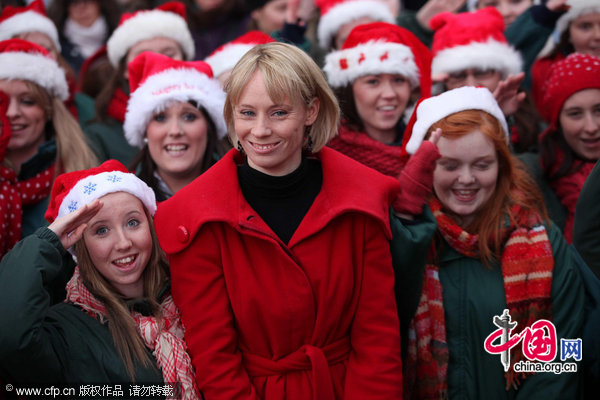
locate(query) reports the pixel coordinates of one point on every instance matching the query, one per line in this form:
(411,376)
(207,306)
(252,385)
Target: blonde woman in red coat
(279,253)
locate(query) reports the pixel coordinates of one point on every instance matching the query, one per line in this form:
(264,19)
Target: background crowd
(293,199)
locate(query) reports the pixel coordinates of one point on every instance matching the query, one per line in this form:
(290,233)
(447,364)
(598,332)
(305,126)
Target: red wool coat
(313,319)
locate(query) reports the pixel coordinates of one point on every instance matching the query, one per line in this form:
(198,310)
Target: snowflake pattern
(89,188)
(73,206)
(114,178)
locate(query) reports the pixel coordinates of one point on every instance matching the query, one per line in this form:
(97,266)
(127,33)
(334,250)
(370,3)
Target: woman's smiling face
(272,135)
(465,176)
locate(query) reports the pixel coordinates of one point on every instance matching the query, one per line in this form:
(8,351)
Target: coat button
(182,234)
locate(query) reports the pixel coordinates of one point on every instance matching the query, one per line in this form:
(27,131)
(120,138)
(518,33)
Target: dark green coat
(586,229)
(107,140)
(556,211)
(473,295)
(46,341)
(33,214)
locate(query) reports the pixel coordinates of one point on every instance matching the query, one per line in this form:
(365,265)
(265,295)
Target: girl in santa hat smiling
(118,324)
(161,30)
(175,117)
(493,251)
(379,73)
(45,139)
(570,145)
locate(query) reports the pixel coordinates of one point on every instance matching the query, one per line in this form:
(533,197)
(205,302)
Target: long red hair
(513,187)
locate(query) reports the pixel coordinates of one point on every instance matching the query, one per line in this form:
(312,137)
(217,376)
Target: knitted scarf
(13,195)
(165,340)
(568,187)
(384,158)
(118,105)
(527,263)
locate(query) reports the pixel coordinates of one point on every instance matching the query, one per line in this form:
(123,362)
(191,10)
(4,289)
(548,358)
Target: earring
(309,144)
(145,140)
(239,147)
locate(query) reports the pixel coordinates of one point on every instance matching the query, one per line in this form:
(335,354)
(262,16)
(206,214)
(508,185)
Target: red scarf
(527,263)
(13,195)
(382,157)
(568,187)
(118,105)
(165,340)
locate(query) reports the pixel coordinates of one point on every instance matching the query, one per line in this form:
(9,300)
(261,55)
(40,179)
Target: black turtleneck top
(282,201)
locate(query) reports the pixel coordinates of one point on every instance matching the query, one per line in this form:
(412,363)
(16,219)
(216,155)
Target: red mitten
(416,180)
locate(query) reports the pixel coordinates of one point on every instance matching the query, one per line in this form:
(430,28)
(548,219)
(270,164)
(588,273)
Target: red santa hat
(227,55)
(20,59)
(431,110)
(335,13)
(380,48)
(472,40)
(568,76)
(73,190)
(167,20)
(33,18)
(577,8)
(156,80)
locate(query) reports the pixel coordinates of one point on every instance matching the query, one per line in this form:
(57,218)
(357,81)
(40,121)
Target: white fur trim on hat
(148,25)
(433,109)
(26,22)
(485,55)
(349,11)
(226,59)
(170,85)
(578,8)
(472,4)
(374,57)
(35,68)
(93,187)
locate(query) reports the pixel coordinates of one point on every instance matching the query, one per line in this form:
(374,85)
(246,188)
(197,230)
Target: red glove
(416,180)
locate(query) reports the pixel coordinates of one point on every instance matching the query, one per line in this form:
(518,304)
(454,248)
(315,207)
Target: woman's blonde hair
(121,325)
(73,152)
(514,185)
(288,73)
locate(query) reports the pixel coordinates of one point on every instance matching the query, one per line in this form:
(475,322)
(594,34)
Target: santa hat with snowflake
(226,56)
(380,48)
(431,110)
(167,20)
(335,13)
(157,80)
(20,59)
(33,18)
(73,190)
(472,40)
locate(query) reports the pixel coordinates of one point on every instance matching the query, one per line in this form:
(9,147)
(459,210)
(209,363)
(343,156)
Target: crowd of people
(297,199)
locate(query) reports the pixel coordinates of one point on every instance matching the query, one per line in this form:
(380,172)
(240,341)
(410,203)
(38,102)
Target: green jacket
(556,211)
(473,295)
(46,341)
(586,229)
(529,35)
(33,214)
(107,140)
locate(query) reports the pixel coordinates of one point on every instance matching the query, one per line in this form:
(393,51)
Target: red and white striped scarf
(165,341)
(14,194)
(527,263)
